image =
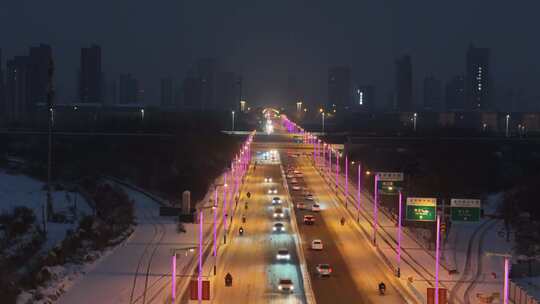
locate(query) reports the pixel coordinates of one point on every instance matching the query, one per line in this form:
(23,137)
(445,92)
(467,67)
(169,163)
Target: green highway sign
(421,209)
(389,183)
(465,210)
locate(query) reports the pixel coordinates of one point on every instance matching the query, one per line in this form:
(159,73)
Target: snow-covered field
(21,190)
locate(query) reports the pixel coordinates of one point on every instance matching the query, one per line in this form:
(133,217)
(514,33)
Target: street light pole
(232,129)
(507,133)
(437,244)
(347,179)
(398,272)
(359,187)
(199,276)
(375,210)
(322,122)
(506,284)
(414,121)
(224,208)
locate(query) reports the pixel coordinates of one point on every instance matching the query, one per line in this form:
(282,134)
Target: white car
(267,179)
(309,197)
(296,188)
(283,254)
(278,227)
(300,206)
(276,200)
(294,181)
(272,191)
(323,270)
(285,285)
(290,176)
(315,208)
(278,213)
(297,172)
(316,245)
(299,175)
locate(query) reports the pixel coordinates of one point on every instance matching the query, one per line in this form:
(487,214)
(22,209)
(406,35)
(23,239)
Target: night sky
(269,41)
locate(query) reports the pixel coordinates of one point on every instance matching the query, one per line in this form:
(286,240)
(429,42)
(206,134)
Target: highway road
(357,270)
(251,258)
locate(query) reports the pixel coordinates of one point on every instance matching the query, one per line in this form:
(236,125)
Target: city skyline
(368,38)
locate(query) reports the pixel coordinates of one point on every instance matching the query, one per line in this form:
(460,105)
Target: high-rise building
(477,84)
(192,93)
(111,93)
(2,90)
(128,92)
(18,71)
(339,87)
(455,94)
(166,92)
(207,71)
(364,98)
(227,91)
(27,82)
(90,79)
(432,94)
(404,84)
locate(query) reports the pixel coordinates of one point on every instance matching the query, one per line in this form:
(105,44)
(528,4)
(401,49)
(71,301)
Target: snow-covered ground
(21,190)
(139,269)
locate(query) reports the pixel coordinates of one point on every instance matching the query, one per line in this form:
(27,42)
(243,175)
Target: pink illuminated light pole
(358,191)
(199,275)
(224,209)
(506,279)
(346,180)
(173,281)
(375,210)
(337,170)
(398,272)
(437,244)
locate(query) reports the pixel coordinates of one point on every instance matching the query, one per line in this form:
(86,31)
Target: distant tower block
(186,202)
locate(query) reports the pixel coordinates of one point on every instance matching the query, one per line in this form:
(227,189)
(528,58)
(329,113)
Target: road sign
(390,183)
(465,210)
(431,295)
(421,209)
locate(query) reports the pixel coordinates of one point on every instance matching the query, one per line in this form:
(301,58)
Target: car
(315,208)
(272,191)
(276,200)
(300,205)
(283,254)
(290,176)
(323,270)
(309,219)
(278,227)
(299,175)
(294,181)
(316,244)
(297,172)
(309,197)
(278,213)
(267,179)
(296,188)
(285,285)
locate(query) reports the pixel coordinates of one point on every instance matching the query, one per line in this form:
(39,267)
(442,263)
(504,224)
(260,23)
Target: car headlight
(292,287)
(279,287)
(288,256)
(275,215)
(274,228)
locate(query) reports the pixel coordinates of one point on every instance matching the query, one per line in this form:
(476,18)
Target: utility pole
(48,210)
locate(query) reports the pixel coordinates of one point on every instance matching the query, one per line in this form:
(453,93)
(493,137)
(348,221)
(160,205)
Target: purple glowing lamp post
(375,210)
(215,229)
(346,180)
(224,209)
(437,259)
(358,191)
(173,281)
(199,276)
(398,271)
(329,163)
(506,275)
(337,170)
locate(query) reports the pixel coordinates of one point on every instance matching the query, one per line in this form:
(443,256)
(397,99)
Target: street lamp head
(368,172)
